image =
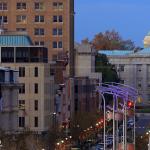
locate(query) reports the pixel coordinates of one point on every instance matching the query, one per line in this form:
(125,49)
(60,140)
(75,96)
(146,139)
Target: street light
(148,133)
(1,144)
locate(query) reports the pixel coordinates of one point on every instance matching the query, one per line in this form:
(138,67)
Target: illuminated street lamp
(1,144)
(148,133)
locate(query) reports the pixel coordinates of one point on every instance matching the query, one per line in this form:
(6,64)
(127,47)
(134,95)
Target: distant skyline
(131,18)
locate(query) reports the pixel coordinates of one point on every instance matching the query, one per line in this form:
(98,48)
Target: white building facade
(36,95)
(133,69)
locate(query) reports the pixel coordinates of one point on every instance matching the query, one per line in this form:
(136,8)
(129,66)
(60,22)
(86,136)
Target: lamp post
(54,119)
(148,133)
(104,109)
(1,145)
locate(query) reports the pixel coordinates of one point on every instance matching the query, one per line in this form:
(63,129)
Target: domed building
(147,40)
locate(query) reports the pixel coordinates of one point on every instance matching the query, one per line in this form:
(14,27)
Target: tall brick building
(47,22)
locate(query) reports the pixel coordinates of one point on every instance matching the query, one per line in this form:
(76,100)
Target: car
(130,122)
(99,147)
(108,143)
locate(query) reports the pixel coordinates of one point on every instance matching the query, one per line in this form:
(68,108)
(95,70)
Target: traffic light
(130,104)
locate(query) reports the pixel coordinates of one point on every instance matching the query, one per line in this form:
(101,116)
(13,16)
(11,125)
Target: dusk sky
(131,18)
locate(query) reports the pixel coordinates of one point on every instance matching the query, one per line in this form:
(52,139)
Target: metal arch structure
(125,93)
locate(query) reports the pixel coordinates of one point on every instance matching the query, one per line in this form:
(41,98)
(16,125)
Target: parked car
(99,147)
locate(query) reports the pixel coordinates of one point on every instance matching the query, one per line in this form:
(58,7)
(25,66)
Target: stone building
(78,94)
(133,69)
(9,88)
(49,23)
(36,95)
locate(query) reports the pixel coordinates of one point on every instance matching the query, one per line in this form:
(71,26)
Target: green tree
(108,71)
(83,120)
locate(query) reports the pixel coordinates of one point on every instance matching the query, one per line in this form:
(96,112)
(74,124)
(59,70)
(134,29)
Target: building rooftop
(115,52)
(145,51)
(15,40)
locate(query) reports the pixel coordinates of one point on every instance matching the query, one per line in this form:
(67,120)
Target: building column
(144,81)
(14,54)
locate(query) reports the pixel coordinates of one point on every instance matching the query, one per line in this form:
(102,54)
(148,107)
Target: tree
(141,142)
(108,71)
(110,40)
(83,120)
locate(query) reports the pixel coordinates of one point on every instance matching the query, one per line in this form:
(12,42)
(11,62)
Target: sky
(131,18)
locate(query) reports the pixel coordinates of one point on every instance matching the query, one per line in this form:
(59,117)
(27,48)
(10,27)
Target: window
(36,105)
(38,31)
(57,44)
(36,71)
(121,67)
(76,89)
(38,6)
(139,83)
(60,19)
(148,84)
(21,6)
(21,121)
(5,29)
(39,43)
(21,104)
(57,18)
(52,71)
(76,104)
(35,121)
(57,31)
(21,19)
(21,29)
(60,44)
(39,18)
(21,71)
(3,19)
(58,5)
(54,18)
(3,6)
(54,44)
(36,88)
(22,89)
(139,68)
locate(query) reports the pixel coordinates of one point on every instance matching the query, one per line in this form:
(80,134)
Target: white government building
(133,69)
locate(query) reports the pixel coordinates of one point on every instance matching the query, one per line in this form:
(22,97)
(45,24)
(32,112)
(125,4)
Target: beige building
(49,23)
(35,100)
(9,88)
(85,61)
(79,93)
(36,95)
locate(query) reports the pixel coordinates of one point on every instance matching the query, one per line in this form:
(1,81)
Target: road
(143,124)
